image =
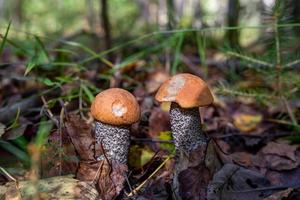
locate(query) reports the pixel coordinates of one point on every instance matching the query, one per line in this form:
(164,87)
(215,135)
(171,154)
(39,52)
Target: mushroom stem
(114,139)
(189,141)
(186,128)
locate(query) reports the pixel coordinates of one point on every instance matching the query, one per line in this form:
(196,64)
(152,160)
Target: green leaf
(166,136)
(23,156)
(48,82)
(29,67)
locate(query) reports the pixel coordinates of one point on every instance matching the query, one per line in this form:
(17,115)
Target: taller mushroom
(114,110)
(186,93)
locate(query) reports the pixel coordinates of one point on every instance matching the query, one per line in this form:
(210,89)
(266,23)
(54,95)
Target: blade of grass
(4,38)
(178,47)
(30,65)
(201,44)
(38,40)
(43,132)
(87,92)
(15,123)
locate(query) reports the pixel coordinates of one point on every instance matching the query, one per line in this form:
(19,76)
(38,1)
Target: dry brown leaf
(242,158)
(159,121)
(234,182)
(59,156)
(155,79)
(111,179)
(87,171)
(193,183)
(277,156)
(280,149)
(80,134)
(280,195)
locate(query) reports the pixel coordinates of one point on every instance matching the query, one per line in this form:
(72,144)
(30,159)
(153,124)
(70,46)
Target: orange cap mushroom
(187,90)
(115,106)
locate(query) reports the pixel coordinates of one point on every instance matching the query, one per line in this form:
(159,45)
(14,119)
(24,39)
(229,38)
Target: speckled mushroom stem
(188,138)
(186,128)
(115,141)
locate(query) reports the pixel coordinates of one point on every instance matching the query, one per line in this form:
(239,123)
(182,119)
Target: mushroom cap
(115,106)
(187,90)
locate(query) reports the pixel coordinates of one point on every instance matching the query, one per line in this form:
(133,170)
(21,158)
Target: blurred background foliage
(132,18)
(67,51)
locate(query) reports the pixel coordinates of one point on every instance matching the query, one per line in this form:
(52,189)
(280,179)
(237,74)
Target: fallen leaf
(242,158)
(159,121)
(280,195)
(139,156)
(234,182)
(155,189)
(277,156)
(81,137)
(187,166)
(61,187)
(193,183)
(14,133)
(155,80)
(88,171)
(246,122)
(59,155)
(280,149)
(111,179)
(166,136)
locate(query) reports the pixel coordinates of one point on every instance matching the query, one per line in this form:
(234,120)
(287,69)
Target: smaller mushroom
(186,93)
(114,110)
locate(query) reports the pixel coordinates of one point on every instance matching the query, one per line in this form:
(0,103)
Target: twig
(49,113)
(151,140)
(254,60)
(291,64)
(144,182)
(61,118)
(8,175)
(289,110)
(128,183)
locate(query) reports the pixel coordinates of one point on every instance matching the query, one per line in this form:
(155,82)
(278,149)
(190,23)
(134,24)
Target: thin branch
(291,64)
(151,175)
(151,140)
(254,60)
(289,110)
(8,175)
(49,113)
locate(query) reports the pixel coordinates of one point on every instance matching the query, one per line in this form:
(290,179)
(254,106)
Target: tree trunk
(233,13)
(105,23)
(295,6)
(91,14)
(171,14)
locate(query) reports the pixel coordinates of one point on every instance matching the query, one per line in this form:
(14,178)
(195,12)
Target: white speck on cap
(175,86)
(118,109)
